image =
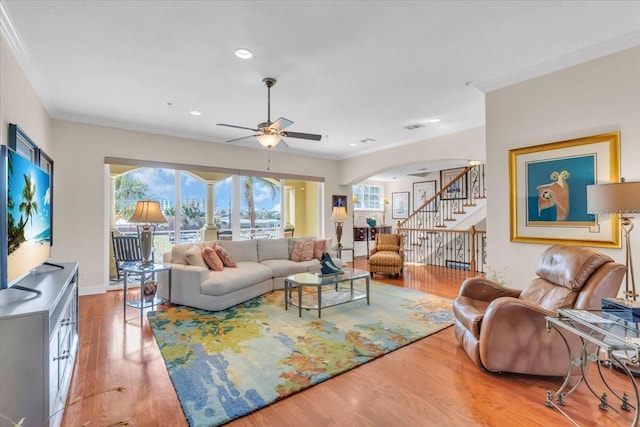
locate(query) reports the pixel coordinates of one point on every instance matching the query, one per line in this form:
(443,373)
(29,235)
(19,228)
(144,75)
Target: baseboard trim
(93,290)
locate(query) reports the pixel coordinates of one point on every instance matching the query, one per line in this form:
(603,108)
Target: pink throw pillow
(302,251)
(320,247)
(225,256)
(212,259)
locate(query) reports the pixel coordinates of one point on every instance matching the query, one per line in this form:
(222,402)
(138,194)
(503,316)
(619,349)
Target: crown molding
(11,36)
(14,42)
(578,57)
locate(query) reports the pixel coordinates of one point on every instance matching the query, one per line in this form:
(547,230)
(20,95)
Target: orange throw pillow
(225,256)
(320,247)
(212,259)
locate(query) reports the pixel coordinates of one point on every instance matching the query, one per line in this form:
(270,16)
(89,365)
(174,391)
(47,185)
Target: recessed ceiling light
(196,113)
(353,144)
(244,53)
(434,121)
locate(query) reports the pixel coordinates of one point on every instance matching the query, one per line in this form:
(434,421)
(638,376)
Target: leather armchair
(504,330)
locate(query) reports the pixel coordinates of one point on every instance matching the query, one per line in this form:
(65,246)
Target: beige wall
(588,99)
(81,198)
(19,103)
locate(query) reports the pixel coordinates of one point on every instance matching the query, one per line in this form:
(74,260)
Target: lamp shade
(148,212)
(339,213)
(617,198)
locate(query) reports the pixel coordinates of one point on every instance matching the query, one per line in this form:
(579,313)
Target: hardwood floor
(429,383)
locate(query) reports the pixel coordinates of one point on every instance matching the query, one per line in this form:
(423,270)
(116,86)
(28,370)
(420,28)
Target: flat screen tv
(26,236)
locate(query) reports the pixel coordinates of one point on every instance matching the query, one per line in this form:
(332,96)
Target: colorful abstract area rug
(230,363)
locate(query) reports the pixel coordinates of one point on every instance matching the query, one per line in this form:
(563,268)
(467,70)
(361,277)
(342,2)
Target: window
(368,197)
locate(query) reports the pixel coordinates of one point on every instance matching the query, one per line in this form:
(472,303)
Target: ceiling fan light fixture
(269,139)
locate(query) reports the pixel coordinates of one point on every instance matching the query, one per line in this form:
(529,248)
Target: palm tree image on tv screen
(28,216)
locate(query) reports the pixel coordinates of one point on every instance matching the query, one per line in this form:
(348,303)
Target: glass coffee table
(326,290)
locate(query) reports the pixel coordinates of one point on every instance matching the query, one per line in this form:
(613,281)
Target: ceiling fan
(270,133)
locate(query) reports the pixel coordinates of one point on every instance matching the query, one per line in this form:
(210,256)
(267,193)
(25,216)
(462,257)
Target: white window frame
(369,197)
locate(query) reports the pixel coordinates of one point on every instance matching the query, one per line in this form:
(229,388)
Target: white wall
(469,145)
(596,97)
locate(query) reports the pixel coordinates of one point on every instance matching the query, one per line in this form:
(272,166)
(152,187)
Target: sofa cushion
(241,250)
(193,256)
(233,279)
(285,267)
(212,259)
(178,251)
(292,240)
(272,249)
(302,251)
(225,256)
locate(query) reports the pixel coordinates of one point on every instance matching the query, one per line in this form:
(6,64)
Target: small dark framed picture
(339,201)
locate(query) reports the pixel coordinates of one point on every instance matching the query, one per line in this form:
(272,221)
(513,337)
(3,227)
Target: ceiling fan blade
(237,127)
(301,135)
(241,138)
(281,123)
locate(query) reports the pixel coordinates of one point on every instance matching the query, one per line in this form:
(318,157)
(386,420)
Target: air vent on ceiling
(414,126)
(367,140)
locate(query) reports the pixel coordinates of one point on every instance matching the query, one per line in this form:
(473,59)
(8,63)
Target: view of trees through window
(259,215)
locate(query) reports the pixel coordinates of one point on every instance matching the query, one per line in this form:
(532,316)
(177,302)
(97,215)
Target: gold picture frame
(547,191)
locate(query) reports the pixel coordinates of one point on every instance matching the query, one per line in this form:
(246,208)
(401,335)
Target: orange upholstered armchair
(387,256)
(504,330)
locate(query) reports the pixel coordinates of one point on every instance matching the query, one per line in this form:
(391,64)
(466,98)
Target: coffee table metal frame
(601,333)
(334,283)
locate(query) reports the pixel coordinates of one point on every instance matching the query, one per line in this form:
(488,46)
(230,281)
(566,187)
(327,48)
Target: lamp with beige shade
(339,215)
(147,212)
(622,199)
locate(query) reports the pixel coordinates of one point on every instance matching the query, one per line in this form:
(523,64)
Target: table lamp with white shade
(621,199)
(339,215)
(147,212)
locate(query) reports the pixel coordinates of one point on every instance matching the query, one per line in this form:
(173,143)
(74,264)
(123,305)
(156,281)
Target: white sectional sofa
(262,266)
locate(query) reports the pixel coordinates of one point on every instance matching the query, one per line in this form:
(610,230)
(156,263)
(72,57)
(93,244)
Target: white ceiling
(346,70)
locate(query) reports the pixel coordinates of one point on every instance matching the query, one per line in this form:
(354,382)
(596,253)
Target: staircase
(442,230)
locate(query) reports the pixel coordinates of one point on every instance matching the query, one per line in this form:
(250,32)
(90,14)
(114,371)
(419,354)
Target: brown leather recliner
(504,330)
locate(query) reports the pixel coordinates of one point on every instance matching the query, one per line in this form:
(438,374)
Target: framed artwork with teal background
(548,191)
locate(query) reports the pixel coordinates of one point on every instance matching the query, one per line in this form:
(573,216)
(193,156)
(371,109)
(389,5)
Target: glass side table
(343,249)
(146,273)
(602,333)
